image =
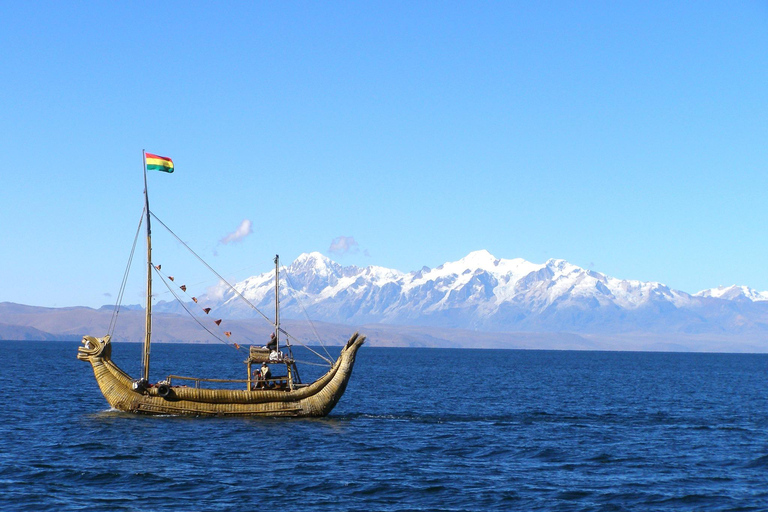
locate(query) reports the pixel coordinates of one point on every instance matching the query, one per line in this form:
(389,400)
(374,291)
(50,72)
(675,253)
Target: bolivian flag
(159,163)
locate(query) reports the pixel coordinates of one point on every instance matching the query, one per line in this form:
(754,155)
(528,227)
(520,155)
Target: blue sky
(626,137)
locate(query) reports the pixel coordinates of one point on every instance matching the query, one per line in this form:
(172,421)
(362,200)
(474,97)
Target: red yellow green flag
(159,163)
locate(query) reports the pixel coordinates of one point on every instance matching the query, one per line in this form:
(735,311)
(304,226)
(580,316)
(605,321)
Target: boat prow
(126,394)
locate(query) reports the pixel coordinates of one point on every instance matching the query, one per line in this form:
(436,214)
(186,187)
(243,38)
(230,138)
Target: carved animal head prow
(95,348)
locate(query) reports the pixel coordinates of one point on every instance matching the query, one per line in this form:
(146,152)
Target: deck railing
(198,380)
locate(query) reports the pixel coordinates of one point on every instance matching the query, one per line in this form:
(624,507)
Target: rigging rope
(310,364)
(116,311)
(329,361)
(295,292)
(195,300)
(212,270)
(188,311)
(183,288)
(294,338)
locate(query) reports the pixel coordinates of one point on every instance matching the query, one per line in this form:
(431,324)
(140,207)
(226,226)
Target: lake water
(417,429)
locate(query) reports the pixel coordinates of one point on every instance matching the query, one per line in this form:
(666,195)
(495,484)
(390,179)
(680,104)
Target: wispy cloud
(344,245)
(241,232)
(217,291)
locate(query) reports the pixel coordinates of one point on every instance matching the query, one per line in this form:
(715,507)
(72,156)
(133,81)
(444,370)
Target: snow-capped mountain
(734,292)
(483,292)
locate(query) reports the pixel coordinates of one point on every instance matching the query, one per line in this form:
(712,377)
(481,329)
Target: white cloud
(217,291)
(241,232)
(344,245)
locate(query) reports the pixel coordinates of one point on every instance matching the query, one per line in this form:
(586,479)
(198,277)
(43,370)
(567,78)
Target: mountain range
(485,293)
(477,301)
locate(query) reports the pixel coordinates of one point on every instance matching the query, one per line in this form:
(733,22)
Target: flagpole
(148,330)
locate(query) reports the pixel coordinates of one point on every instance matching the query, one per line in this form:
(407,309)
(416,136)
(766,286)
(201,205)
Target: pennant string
(189,312)
(183,288)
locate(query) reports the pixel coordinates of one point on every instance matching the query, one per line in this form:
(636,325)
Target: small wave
(710,500)
(112,413)
(550,455)
(118,456)
(496,420)
(88,445)
(435,488)
(573,495)
(603,457)
(760,462)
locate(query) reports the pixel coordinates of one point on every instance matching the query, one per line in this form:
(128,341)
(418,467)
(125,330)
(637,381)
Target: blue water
(418,429)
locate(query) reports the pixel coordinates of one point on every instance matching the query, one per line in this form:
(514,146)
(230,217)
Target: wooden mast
(148,330)
(277,300)
(277,321)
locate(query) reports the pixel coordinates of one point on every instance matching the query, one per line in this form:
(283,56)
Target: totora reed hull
(316,399)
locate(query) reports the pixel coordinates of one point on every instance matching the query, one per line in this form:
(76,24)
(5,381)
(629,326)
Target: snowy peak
(314,262)
(734,292)
(478,260)
(481,291)
(559,264)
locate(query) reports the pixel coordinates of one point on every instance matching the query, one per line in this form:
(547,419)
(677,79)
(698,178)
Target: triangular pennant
(158,267)
(183,287)
(207,310)
(227,333)
(170,277)
(194,299)
(237,346)
(218,322)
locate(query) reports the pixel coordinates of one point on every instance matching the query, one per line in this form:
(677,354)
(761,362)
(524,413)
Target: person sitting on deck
(272,345)
(260,375)
(265,372)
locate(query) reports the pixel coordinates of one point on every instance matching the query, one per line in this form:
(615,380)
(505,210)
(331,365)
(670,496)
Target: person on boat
(257,383)
(272,345)
(274,354)
(265,372)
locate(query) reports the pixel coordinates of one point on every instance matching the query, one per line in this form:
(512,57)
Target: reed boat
(273,389)
(122,393)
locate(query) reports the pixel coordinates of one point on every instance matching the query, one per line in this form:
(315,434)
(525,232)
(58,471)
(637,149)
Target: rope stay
(294,292)
(119,302)
(184,288)
(212,270)
(311,364)
(297,340)
(187,309)
(288,335)
(328,359)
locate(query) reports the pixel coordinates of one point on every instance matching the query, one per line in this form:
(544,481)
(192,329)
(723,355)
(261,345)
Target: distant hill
(21,333)
(20,322)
